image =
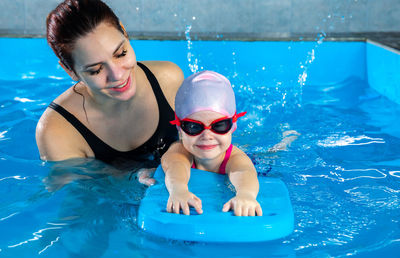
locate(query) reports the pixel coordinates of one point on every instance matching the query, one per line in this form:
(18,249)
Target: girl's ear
(71,73)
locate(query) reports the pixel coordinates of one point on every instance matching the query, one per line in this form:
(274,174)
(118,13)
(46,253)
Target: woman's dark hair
(73,19)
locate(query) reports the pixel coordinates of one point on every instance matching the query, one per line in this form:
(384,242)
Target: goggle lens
(192,128)
(223,126)
(195,128)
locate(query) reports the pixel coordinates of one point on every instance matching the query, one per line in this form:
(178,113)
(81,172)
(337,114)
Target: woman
(119,109)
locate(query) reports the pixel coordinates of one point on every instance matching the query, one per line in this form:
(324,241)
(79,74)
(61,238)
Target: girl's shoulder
(239,158)
(236,151)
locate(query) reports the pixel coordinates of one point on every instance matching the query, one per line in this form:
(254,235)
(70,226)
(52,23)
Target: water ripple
(13,177)
(9,216)
(375,196)
(36,236)
(23,100)
(353,174)
(2,134)
(49,245)
(395,173)
(337,140)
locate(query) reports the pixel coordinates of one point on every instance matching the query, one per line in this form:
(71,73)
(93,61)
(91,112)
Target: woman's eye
(123,53)
(96,71)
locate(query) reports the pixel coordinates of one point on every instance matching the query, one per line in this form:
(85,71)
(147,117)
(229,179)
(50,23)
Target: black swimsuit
(152,149)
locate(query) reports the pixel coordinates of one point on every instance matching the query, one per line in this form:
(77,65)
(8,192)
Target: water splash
(304,66)
(192,61)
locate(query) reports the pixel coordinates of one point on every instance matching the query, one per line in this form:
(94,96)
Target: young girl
(205,114)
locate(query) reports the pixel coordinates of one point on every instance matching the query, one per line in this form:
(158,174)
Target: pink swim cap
(205,91)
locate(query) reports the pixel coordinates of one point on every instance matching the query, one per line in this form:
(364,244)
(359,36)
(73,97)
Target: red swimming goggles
(218,126)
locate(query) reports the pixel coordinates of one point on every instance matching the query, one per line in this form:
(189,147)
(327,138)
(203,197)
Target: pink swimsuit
(221,169)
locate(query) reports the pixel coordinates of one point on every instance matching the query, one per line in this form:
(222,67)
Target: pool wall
(383,66)
(323,63)
(252,18)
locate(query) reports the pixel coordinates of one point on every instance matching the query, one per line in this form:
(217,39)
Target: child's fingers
(245,211)
(169,206)
(259,210)
(197,199)
(238,210)
(252,212)
(196,204)
(185,209)
(176,208)
(227,206)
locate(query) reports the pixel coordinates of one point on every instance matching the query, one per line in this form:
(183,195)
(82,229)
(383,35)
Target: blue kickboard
(214,225)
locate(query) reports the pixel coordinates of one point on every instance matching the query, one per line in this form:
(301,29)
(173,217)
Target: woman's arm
(58,140)
(243,176)
(176,163)
(67,171)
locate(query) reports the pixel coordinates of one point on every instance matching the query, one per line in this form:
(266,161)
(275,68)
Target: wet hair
(73,19)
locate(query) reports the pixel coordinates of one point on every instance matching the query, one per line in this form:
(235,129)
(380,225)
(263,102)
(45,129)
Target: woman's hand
(181,199)
(56,182)
(145,176)
(243,205)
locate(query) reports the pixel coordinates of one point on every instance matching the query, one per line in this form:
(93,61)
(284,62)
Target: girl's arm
(243,176)
(176,163)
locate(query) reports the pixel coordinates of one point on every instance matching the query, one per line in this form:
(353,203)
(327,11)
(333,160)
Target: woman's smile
(122,87)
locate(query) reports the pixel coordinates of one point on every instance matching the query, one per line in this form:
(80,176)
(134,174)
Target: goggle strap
(176,121)
(236,116)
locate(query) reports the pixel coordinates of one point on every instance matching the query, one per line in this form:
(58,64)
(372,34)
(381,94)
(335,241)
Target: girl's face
(104,61)
(207,145)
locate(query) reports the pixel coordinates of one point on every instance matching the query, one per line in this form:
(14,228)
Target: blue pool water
(343,172)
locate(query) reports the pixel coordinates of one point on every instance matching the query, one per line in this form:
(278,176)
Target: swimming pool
(343,172)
